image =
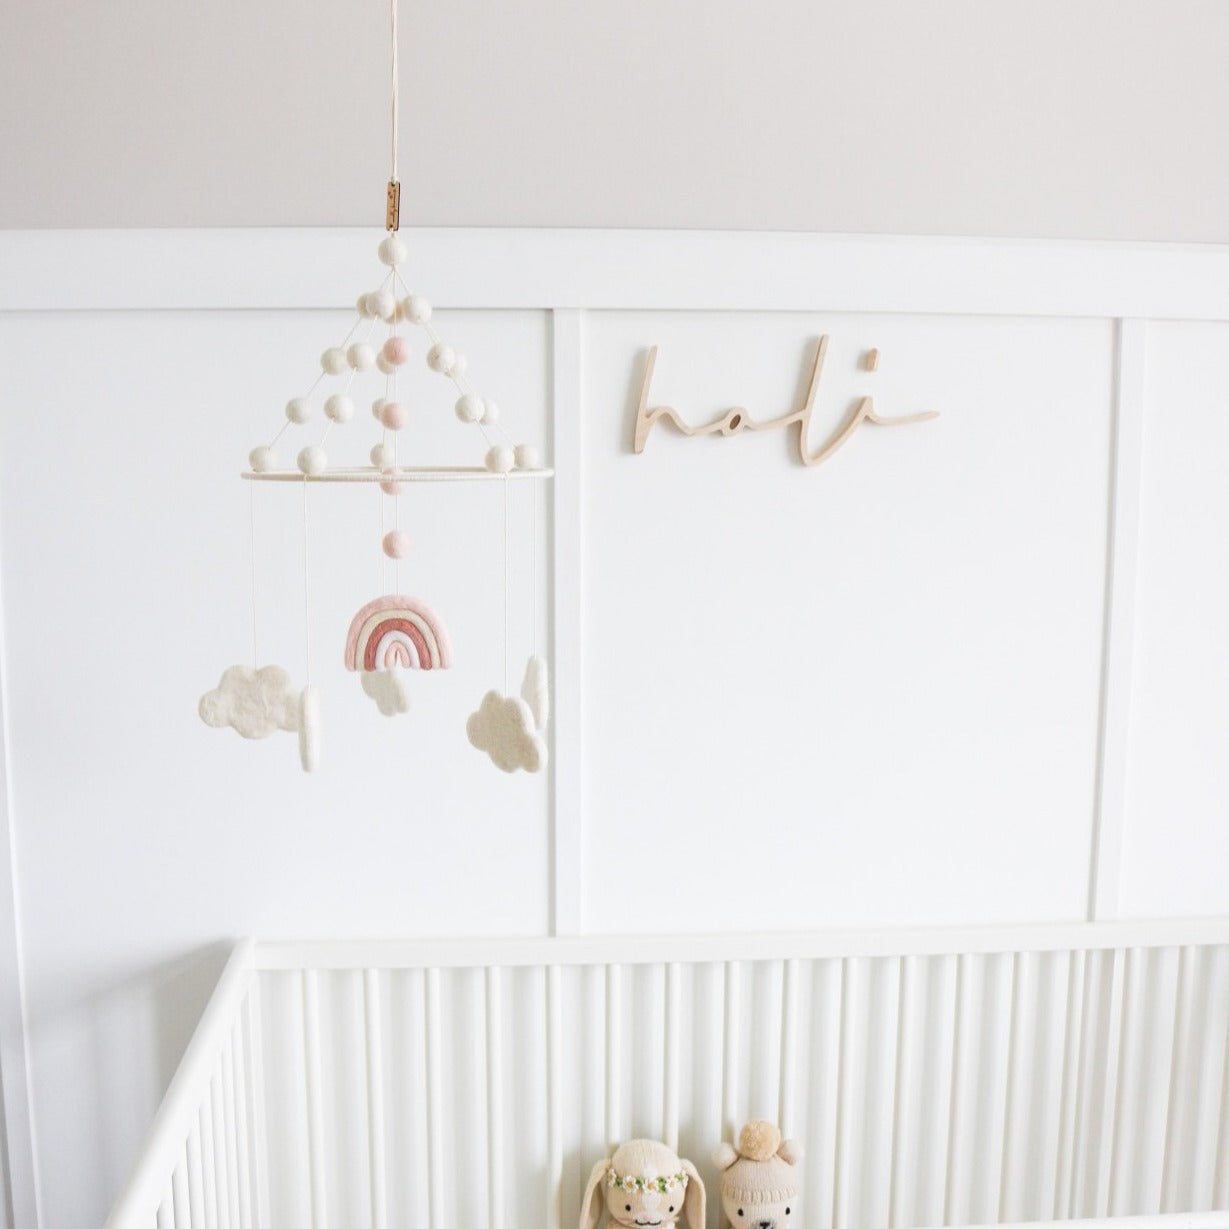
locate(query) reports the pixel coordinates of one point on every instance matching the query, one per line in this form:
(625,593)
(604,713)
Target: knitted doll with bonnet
(643,1186)
(759,1179)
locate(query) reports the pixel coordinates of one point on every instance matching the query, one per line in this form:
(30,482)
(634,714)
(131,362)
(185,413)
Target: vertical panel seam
(1118,642)
(566,572)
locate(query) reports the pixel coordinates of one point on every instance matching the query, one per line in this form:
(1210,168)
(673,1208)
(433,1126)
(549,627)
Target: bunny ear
(724,1156)
(591,1205)
(693,1201)
(790,1151)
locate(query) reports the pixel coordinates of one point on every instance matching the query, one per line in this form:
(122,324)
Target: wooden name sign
(737,419)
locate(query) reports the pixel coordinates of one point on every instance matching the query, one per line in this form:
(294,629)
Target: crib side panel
(928,1089)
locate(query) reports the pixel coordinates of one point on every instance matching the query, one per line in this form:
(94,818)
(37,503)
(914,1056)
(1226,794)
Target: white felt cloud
(309,728)
(535,691)
(503,727)
(253,702)
(388,689)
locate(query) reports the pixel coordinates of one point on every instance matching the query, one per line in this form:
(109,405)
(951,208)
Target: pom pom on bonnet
(763,1167)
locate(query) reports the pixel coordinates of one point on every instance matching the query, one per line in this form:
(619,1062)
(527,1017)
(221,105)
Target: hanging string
(383,588)
(393,15)
(505,584)
(533,499)
(252,556)
(307,616)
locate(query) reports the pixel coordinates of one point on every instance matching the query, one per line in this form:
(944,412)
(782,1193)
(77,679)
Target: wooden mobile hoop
(393,633)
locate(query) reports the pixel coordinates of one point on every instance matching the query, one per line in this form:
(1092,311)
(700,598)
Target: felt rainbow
(397,631)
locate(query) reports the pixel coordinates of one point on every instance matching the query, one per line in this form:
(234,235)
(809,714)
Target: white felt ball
(397,544)
(298,410)
(383,365)
(490,412)
(339,408)
(363,309)
(361,356)
(313,459)
(460,364)
(469,408)
(377,407)
(441,358)
(262,459)
(392,251)
(382,456)
(526,457)
(333,360)
(500,459)
(417,309)
(382,303)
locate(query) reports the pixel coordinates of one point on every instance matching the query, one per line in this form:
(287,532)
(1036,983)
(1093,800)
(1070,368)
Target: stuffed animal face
(759,1181)
(644,1186)
(757,1212)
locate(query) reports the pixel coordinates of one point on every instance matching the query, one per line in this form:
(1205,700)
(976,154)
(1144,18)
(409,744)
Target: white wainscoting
(972,670)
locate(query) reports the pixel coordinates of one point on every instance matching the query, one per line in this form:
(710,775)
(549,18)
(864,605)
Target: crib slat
(733,1022)
(787,1101)
(242,1143)
(315,1100)
(824,1081)
(494,1100)
(221,1173)
(1220,1183)
(955,1186)
(435,1102)
(182,1212)
(554,1102)
(230,1118)
(1015,1103)
(375,1098)
(614,1055)
(1181,1055)
(1113,1081)
(196,1181)
(843,1155)
(1209,1024)
(898,1159)
(256,1107)
(1067,1097)
(670,1084)
(209,1185)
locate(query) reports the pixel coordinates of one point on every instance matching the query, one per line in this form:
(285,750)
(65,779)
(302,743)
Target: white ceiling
(1076,118)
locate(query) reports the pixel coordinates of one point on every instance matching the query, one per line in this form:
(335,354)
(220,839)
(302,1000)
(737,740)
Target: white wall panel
(863,693)
(864,690)
(1173,844)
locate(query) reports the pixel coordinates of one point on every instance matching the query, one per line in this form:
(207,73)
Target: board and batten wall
(967,671)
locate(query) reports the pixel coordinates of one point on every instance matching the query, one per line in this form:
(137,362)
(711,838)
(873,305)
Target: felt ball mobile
(392,634)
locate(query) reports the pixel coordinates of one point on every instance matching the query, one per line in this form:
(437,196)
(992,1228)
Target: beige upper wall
(1064,118)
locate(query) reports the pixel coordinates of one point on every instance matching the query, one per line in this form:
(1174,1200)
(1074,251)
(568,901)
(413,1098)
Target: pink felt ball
(389,485)
(396,351)
(397,544)
(394,415)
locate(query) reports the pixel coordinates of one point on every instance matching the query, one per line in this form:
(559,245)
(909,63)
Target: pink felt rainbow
(397,631)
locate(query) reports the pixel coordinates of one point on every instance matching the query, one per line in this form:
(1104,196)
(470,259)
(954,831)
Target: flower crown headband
(634,1182)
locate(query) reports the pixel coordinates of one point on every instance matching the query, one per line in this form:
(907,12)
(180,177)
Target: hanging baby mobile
(394,633)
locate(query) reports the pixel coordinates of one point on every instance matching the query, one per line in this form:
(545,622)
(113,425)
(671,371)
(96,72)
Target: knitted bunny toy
(645,1186)
(759,1179)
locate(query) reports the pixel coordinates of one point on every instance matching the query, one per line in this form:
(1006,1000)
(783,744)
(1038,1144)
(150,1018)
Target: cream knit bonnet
(763,1169)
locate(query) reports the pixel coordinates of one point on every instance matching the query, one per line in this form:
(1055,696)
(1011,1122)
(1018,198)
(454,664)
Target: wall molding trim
(113,270)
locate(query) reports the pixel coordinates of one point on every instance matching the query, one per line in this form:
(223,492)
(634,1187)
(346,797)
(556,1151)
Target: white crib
(981,1076)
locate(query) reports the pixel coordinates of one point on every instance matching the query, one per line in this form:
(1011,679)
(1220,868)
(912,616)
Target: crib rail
(966,1076)
(200,1163)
